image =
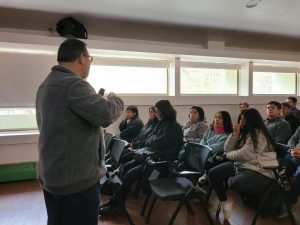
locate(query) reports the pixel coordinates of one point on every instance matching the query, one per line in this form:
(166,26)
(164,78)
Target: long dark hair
(200,112)
(254,123)
(166,110)
(227,123)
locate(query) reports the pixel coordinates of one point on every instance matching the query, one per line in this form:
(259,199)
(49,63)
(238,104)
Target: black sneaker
(110,202)
(111,210)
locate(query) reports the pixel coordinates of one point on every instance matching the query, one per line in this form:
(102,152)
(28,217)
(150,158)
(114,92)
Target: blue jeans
(80,208)
(293,165)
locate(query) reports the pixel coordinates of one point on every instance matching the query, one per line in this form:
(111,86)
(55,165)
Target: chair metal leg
(288,206)
(262,202)
(128,215)
(184,200)
(208,195)
(218,210)
(145,204)
(150,209)
(138,187)
(188,207)
(180,204)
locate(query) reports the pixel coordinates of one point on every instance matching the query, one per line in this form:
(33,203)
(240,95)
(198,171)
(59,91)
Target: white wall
(21,74)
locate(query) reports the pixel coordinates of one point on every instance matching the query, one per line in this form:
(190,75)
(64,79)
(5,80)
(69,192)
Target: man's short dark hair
(294,99)
(70,50)
(277,104)
(285,104)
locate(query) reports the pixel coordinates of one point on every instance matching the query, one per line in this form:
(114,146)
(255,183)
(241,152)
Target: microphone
(101,91)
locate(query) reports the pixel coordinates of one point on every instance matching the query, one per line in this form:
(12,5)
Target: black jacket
(166,139)
(131,129)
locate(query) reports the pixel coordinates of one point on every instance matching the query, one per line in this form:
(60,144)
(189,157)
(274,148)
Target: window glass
(274,83)
(129,80)
(17,119)
(208,81)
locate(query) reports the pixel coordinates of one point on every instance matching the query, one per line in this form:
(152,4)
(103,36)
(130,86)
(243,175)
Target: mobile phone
(101,91)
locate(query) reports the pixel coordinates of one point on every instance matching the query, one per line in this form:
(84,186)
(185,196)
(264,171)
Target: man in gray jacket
(69,116)
(279,129)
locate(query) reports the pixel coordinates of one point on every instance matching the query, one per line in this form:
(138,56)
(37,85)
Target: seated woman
(166,141)
(216,136)
(195,128)
(252,146)
(139,141)
(131,125)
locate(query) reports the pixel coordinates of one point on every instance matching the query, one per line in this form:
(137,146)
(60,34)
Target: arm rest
(152,162)
(191,173)
(271,167)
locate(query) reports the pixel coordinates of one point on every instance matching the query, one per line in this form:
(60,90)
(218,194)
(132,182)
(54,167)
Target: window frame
(212,65)
(276,69)
(135,62)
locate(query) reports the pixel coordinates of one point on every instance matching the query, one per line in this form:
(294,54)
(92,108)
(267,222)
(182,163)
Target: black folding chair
(112,165)
(108,139)
(181,185)
(282,181)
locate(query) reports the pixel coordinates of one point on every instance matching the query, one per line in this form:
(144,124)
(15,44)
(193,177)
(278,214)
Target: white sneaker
(226,208)
(202,180)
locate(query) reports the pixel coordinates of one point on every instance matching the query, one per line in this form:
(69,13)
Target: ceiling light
(252,3)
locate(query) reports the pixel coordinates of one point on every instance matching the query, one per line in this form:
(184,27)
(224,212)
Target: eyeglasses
(90,57)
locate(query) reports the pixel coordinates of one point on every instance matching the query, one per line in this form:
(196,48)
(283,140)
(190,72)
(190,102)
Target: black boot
(112,207)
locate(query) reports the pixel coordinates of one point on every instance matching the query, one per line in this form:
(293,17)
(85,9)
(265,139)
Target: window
(274,80)
(208,80)
(130,76)
(17,119)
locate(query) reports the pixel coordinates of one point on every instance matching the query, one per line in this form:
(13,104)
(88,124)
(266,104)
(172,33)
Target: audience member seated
(243,106)
(292,160)
(195,128)
(279,129)
(252,146)
(166,141)
(131,125)
(293,102)
(287,114)
(216,136)
(139,141)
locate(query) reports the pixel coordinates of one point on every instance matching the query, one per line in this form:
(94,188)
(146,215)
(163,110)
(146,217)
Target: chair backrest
(197,156)
(117,149)
(108,139)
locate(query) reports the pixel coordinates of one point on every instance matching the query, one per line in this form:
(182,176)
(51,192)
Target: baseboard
(17,172)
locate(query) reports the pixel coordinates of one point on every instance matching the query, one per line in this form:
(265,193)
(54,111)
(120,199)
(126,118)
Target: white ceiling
(269,16)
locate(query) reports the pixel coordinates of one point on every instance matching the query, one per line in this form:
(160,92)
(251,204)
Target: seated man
(279,129)
(166,141)
(292,160)
(289,116)
(293,102)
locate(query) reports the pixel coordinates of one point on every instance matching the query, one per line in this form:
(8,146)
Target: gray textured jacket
(69,113)
(279,129)
(251,158)
(194,131)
